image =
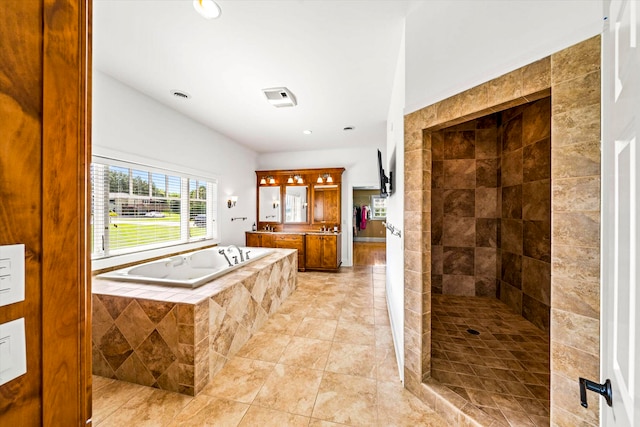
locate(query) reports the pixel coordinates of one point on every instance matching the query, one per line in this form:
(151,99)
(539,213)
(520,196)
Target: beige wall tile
(565,225)
(575,331)
(577,60)
(577,160)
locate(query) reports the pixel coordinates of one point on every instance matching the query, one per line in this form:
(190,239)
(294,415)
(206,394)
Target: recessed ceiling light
(207,8)
(180,94)
(346,128)
(307,132)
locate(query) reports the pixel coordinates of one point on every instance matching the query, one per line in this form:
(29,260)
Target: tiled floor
(504,370)
(326,358)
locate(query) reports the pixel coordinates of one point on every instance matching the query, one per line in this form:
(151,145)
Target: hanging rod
(394,231)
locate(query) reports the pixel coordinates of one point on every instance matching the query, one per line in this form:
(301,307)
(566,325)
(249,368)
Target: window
(136,208)
(378,207)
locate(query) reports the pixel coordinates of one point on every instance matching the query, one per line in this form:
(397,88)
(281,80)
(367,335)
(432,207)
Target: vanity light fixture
(269,179)
(209,9)
(290,180)
(324,178)
(297,179)
(231,201)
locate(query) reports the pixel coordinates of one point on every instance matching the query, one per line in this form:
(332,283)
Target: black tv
(384,180)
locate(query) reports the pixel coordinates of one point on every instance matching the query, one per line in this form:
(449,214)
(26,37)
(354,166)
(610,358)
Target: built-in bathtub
(177,338)
(189,270)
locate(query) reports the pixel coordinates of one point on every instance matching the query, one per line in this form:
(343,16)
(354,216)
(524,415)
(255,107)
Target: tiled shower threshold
(502,372)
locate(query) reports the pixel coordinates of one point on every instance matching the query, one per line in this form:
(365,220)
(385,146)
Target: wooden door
(313,251)
(620,350)
(44,162)
(329,252)
(253,239)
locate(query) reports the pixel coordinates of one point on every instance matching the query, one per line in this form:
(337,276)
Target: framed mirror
(296,204)
(269,204)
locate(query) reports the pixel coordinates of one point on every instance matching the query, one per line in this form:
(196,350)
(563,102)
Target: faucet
(222,252)
(237,249)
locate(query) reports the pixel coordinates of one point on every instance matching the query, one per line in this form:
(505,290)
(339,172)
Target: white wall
(452,46)
(130,126)
(395,210)
(361,170)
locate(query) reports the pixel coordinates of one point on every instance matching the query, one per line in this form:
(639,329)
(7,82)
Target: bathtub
(189,270)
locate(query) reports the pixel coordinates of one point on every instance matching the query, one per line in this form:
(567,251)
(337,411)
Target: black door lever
(602,389)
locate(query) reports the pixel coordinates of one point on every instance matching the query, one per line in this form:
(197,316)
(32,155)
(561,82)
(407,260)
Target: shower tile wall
(464,208)
(491,209)
(525,262)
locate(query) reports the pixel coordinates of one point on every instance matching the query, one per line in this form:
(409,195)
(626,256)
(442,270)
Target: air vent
(280,97)
(180,94)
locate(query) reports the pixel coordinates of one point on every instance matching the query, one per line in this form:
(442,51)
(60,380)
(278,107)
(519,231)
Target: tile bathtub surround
(573,76)
(181,343)
(315,373)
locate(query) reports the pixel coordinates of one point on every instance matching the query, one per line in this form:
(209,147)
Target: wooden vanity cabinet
(259,240)
(292,241)
(279,240)
(323,251)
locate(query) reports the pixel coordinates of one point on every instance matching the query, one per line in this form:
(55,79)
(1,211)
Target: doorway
(368,231)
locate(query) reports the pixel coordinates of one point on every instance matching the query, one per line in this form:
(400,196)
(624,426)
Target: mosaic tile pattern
(504,370)
(180,346)
(326,358)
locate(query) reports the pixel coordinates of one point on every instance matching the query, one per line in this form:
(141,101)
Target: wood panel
(44,132)
(66,388)
(21,191)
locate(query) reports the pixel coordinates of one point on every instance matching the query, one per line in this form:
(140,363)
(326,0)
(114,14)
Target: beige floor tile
(112,397)
(279,323)
(355,333)
(149,407)
(325,311)
(98,382)
(210,411)
(321,329)
(352,359)
(346,399)
(386,365)
(264,417)
(265,347)
(240,379)
(323,423)
(306,353)
(398,407)
(290,389)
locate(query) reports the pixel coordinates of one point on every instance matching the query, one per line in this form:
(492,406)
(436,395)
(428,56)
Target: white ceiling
(337,56)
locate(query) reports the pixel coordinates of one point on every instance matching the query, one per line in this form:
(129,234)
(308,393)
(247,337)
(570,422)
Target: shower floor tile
(492,357)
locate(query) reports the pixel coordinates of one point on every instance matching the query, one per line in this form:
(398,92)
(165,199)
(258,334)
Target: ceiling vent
(280,97)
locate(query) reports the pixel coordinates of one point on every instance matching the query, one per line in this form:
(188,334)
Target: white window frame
(376,208)
(103,256)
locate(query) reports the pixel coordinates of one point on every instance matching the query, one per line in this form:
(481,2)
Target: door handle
(602,389)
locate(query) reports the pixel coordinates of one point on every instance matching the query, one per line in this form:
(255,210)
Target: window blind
(135,208)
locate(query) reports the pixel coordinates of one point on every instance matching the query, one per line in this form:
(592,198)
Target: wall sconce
(324,178)
(295,179)
(267,180)
(231,201)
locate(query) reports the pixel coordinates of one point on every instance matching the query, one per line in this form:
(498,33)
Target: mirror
(295,204)
(326,204)
(269,204)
